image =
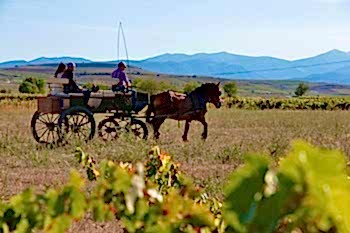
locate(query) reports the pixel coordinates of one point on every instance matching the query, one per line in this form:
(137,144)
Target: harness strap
(198,102)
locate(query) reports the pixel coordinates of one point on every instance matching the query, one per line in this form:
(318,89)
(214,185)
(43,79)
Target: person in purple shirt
(124,84)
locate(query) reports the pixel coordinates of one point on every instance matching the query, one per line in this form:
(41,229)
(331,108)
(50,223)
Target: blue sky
(288,29)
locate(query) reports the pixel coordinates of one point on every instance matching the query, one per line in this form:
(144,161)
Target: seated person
(60,69)
(71,87)
(124,83)
(123,80)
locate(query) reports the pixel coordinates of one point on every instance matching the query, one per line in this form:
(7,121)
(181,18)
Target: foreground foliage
(308,191)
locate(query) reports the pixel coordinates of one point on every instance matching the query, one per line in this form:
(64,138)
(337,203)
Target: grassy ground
(232,134)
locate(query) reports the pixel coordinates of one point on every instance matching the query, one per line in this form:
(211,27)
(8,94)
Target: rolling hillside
(332,66)
(100,73)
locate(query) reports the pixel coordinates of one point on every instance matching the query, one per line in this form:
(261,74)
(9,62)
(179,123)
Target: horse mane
(202,88)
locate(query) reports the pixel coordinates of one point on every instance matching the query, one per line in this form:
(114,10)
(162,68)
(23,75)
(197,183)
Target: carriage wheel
(138,128)
(109,129)
(45,128)
(77,123)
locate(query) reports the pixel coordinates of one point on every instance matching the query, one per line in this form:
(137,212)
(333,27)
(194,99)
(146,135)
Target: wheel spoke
(42,121)
(84,134)
(56,119)
(88,122)
(50,135)
(43,133)
(41,128)
(53,136)
(50,116)
(82,119)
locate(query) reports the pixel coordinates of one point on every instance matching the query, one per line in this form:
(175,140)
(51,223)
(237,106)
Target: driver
(124,84)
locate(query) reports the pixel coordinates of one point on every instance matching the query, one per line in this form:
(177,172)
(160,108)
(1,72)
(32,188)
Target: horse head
(211,92)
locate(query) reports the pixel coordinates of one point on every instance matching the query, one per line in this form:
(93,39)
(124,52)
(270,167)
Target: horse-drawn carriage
(64,117)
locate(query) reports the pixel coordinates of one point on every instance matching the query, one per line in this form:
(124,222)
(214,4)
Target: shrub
(28,87)
(190,86)
(301,89)
(230,89)
(152,86)
(148,85)
(32,86)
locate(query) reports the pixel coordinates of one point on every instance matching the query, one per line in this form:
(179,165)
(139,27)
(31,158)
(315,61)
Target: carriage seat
(107,94)
(55,85)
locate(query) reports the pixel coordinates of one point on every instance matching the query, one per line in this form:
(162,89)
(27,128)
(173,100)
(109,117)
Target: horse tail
(150,109)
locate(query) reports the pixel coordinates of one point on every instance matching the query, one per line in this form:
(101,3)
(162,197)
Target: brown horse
(183,107)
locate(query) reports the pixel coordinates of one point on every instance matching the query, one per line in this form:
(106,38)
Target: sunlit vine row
(308,191)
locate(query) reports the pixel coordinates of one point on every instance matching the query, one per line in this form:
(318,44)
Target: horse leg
(205,126)
(156,125)
(187,127)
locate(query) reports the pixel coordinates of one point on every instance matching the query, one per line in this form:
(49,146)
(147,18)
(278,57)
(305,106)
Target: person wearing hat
(123,80)
(72,86)
(124,83)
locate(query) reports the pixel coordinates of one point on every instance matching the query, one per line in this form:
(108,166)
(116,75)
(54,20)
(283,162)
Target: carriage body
(97,102)
(60,116)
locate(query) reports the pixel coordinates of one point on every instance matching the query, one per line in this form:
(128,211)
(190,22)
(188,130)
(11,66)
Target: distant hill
(100,73)
(324,60)
(327,67)
(10,64)
(217,64)
(42,61)
(232,66)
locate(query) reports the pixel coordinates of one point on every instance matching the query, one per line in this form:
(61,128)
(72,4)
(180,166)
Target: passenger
(124,84)
(60,69)
(71,87)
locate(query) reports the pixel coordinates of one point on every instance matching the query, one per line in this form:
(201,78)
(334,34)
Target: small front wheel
(139,129)
(109,129)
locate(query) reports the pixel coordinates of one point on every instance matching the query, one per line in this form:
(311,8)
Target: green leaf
(245,189)
(322,174)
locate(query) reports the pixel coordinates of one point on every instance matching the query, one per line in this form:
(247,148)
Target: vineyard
(248,103)
(303,103)
(308,191)
(294,188)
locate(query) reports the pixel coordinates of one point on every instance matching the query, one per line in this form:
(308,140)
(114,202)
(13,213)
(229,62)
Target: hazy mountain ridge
(42,61)
(325,67)
(234,66)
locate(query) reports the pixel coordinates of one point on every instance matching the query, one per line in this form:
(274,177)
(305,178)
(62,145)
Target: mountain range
(331,67)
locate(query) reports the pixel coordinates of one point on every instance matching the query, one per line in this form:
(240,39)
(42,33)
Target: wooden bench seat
(57,81)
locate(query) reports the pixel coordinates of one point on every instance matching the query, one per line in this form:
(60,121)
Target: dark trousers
(117,88)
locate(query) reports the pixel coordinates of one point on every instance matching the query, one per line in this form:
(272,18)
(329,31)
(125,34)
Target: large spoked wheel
(109,129)
(77,123)
(138,128)
(45,128)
